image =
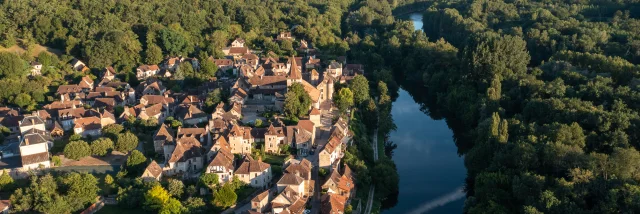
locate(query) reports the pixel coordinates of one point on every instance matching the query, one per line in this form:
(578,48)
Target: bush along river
(432,174)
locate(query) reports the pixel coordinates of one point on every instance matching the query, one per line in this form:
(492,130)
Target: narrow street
(322,137)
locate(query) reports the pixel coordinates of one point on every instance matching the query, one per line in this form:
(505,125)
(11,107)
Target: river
(432,174)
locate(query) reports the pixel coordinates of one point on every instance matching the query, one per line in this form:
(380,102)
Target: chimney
(33,122)
(26,141)
(62,97)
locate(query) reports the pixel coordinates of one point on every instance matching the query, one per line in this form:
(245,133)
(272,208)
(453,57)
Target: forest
(543,98)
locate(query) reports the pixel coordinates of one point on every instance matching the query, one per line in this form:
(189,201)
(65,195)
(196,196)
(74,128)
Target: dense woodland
(543,97)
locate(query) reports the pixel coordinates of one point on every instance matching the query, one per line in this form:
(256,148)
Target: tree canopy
(297,102)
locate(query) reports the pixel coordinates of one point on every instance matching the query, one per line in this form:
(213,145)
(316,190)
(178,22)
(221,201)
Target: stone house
(34,149)
(259,202)
(153,172)
(146,71)
(186,159)
(254,172)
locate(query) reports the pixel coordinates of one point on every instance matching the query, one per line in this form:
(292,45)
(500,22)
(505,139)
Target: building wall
(46,164)
(257,179)
(272,143)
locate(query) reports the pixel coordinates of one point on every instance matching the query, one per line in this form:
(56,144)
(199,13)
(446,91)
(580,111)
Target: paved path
(372,189)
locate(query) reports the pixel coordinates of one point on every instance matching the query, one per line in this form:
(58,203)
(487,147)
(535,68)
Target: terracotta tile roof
(250,56)
(306,125)
(154,169)
(222,62)
(315,73)
(298,206)
(109,71)
(148,68)
(104,89)
(64,89)
(86,82)
(106,102)
(290,179)
(88,123)
(238,50)
(267,80)
(35,158)
(302,136)
(332,203)
(189,111)
(259,71)
(295,71)
(303,169)
(192,132)
(164,133)
(272,130)
(330,147)
(314,111)
(4,204)
(261,196)
(186,148)
(313,92)
(223,158)
(249,166)
(155,99)
(57,105)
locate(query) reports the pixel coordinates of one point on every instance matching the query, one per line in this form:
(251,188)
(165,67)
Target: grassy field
(36,50)
(274,159)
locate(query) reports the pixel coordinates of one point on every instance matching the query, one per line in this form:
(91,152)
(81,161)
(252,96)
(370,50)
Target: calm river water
(431,172)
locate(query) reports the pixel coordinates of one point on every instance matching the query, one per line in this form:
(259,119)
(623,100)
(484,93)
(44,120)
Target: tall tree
(297,102)
(360,88)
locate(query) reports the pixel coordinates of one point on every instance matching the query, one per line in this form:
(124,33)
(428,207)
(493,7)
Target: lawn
(274,159)
(109,209)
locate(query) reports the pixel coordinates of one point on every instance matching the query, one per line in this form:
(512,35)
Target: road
(372,189)
(322,137)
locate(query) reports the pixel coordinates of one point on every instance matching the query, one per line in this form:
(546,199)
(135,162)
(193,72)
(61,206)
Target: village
(291,166)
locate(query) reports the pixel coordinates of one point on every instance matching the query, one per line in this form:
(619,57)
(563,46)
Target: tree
(6,181)
(297,101)
(156,198)
(115,47)
(77,149)
(23,100)
(108,179)
(360,89)
(195,205)
(112,130)
(344,99)
(225,196)
(187,69)
(101,146)
(82,189)
(136,161)
(175,187)
(258,123)
(208,68)
(173,206)
(385,177)
(153,55)
(126,142)
(12,66)
(213,99)
(172,42)
(209,179)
